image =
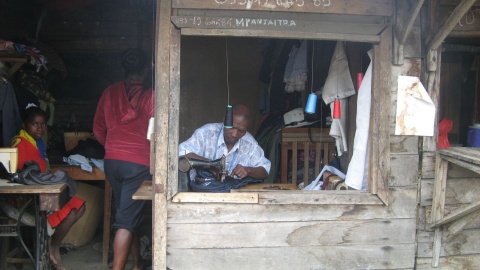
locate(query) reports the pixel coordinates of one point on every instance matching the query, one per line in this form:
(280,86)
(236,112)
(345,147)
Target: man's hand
(240,171)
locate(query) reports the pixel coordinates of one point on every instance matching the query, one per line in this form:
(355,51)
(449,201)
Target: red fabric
(443,128)
(26,152)
(121,122)
(58,216)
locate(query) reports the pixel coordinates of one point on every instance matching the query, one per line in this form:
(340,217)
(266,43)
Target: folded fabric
(79,160)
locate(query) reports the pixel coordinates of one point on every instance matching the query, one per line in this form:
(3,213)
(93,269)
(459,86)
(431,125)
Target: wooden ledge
(197,197)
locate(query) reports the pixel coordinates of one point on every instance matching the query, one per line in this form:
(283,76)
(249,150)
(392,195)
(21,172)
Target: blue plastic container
(473,137)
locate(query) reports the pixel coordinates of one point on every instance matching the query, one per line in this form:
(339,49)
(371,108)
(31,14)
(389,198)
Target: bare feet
(55,258)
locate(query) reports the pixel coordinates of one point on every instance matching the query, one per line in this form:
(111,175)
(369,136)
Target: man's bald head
(241,111)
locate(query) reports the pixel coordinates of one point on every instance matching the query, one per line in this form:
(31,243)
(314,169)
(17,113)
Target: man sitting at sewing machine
(244,157)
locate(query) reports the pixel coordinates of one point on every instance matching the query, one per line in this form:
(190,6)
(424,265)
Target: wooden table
(468,158)
(76,173)
(46,198)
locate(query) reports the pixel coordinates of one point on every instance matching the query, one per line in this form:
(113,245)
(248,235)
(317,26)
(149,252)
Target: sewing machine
(216,167)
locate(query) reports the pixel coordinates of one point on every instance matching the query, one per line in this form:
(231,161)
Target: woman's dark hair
(31,112)
(134,61)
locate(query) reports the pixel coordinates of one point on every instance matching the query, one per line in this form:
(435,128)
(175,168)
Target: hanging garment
(11,122)
(295,76)
(357,174)
(339,85)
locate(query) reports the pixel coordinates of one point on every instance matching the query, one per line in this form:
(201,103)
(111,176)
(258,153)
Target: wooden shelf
(16,60)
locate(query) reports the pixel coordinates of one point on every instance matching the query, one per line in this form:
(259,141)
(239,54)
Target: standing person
(120,124)
(244,157)
(31,148)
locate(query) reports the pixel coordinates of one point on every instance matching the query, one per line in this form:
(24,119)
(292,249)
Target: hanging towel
(339,85)
(357,174)
(339,82)
(295,76)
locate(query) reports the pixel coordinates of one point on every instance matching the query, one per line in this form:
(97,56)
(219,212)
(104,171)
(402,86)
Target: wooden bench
(296,139)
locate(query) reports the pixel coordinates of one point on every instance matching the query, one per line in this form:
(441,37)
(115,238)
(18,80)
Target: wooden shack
(420,210)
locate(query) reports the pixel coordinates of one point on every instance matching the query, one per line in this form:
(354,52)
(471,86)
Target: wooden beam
(280,34)
(450,23)
(456,214)
(379,156)
(358,7)
(162,94)
(406,20)
(456,226)
(198,197)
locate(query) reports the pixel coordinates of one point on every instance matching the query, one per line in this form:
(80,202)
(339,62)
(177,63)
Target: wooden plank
(266,187)
(285,234)
(467,242)
(452,229)
(458,213)
(359,7)
(319,197)
(450,262)
(467,154)
(144,192)
(450,23)
(197,197)
(162,89)
(403,144)
(457,191)
(468,24)
(379,157)
(437,246)
(403,170)
(398,256)
(462,164)
(280,34)
(314,17)
(33,189)
(278,24)
(174,113)
(438,202)
(404,207)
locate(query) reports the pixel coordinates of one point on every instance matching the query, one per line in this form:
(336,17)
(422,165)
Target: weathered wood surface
(51,197)
(234,198)
(288,234)
(379,169)
(458,213)
(449,24)
(398,256)
(280,34)
(425,218)
(360,7)
(467,25)
(318,197)
(450,263)
(162,111)
(264,22)
(144,192)
(466,242)
(403,170)
(454,171)
(403,145)
(458,191)
(403,205)
(438,200)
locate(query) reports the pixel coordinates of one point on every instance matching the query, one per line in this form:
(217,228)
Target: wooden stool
(295,139)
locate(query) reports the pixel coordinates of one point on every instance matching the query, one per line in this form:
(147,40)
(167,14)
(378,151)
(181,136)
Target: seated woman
(31,148)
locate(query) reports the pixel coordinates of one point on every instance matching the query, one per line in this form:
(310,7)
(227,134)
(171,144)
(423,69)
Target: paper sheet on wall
(415,108)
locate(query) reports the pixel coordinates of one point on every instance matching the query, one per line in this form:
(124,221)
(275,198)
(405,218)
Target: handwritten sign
(226,22)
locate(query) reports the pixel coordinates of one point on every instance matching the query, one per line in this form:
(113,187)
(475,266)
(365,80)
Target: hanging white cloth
(295,76)
(339,85)
(357,174)
(338,128)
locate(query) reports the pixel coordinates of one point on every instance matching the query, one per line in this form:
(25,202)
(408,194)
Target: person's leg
(60,232)
(135,252)
(121,248)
